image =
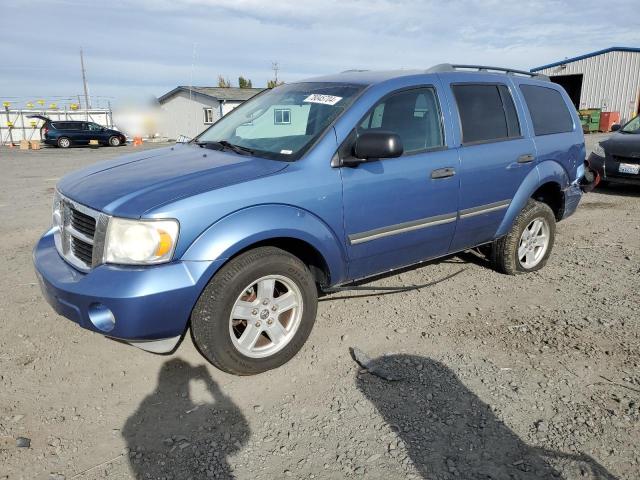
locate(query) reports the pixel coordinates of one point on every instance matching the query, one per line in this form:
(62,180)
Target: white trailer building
(189,110)
(608,79)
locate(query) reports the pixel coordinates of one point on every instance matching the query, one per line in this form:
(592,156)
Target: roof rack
(448,67)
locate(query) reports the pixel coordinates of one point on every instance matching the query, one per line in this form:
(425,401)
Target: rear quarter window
(549,112)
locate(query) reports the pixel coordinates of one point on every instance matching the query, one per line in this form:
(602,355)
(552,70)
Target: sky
(138,50)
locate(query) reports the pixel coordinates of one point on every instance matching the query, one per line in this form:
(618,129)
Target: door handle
(527,158)
(443,172)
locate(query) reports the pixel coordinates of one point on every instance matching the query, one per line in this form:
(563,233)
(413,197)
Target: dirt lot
(494,377)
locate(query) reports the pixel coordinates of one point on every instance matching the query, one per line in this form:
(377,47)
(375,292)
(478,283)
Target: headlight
(598,150)
(140,242)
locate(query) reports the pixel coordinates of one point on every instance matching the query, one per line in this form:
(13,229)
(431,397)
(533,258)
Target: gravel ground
(491,376)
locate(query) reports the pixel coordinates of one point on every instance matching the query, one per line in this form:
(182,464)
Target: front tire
(114,141)
(527,246)
(256,313)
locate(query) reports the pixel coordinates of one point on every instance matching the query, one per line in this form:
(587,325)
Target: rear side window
(487,112)
(67,125)
(548,110)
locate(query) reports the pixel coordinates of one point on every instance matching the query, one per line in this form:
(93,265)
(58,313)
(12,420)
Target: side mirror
(378,144)
(615,127)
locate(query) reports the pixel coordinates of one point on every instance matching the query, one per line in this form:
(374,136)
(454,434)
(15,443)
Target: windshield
(633,126)
(284,122)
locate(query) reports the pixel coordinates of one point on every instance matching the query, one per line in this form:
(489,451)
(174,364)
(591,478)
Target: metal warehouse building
(608,79)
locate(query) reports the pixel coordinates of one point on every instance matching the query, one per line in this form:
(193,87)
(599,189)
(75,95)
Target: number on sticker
(323,99)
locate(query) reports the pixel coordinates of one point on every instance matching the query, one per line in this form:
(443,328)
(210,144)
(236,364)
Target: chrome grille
(82,250)
(80,235)
(83,223)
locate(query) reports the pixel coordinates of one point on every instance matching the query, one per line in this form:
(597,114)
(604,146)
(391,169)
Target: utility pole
(84,82)
(275,67)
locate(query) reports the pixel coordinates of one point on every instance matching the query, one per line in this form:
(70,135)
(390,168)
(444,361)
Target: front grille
(83,223)
(81,231)
(82,250)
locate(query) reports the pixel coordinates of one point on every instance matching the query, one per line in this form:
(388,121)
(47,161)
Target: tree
(244,82)
(274,83)
(223,82)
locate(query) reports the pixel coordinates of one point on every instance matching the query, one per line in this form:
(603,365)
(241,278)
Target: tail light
(590,179)
(45,130)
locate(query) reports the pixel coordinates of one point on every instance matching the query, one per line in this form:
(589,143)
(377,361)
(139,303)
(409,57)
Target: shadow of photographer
(172,436)
(448,432)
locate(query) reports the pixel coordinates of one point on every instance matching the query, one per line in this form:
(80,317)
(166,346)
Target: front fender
(545,172)
(249,226)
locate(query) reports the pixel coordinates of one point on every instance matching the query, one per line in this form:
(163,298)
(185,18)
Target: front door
(403,210)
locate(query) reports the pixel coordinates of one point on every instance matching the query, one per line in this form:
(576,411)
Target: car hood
(622,144)
(131,185)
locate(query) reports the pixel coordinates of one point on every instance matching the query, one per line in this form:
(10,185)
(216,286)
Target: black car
(617,159)
(66,133)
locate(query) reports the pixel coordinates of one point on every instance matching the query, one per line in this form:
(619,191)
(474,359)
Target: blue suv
(304,187)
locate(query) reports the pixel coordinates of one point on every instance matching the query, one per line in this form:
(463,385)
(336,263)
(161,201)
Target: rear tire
(256,313)
(64,142)
(527,246)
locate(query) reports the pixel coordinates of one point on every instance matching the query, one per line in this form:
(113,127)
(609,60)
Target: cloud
(143,48)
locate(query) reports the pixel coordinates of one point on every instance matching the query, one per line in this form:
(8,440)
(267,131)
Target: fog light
(101,317)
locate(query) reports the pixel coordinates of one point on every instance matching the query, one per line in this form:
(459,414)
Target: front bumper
(608,169)
(146,306)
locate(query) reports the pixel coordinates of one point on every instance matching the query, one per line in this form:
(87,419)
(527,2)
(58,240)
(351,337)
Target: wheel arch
(545,183)
(292,229)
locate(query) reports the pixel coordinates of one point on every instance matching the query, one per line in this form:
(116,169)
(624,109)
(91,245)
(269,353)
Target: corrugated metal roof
(219,93)
(587,55)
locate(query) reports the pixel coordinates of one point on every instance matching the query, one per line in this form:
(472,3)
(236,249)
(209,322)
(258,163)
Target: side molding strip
(398,228)
(489,207)
(357,238)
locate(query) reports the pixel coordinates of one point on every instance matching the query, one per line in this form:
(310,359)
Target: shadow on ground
(174,436)
(449,432)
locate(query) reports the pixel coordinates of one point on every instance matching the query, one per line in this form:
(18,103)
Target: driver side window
(412,114)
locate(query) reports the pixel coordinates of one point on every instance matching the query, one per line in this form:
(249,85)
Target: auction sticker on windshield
(323,99)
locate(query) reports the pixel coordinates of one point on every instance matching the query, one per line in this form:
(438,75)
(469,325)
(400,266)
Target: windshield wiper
(224,145)
(236,148)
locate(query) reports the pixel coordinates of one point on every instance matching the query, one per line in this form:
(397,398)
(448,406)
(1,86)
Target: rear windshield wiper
(224,145)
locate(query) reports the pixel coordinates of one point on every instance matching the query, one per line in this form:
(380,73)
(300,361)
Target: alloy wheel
(265,316)
(534,242)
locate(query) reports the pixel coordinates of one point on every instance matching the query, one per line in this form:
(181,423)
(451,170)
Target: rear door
(402,210)
(73,131)
(496,153)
